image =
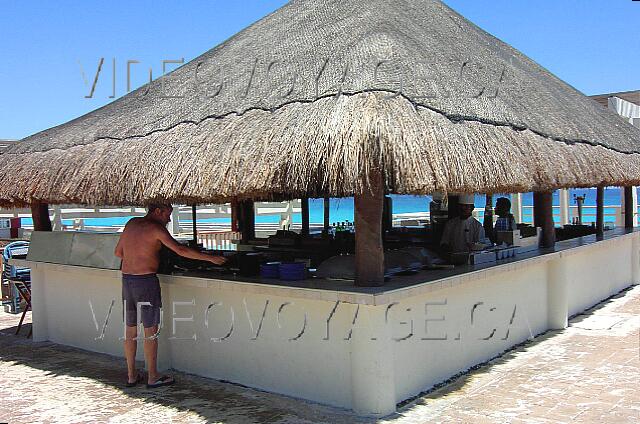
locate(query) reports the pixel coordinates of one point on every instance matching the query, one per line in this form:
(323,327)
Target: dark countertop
(400,282)
(397,288)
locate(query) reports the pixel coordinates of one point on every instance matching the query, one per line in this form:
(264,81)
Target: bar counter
(364,349)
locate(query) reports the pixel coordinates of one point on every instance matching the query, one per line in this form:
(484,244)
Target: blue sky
(591,44)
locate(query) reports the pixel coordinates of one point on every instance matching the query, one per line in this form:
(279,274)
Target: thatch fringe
(312,150)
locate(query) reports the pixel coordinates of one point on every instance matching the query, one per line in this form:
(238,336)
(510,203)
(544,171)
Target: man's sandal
(165,380)
(139,379)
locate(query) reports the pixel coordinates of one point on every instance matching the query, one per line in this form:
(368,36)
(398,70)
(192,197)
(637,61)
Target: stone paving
(589,372)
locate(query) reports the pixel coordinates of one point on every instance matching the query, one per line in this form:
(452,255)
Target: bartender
(463,233)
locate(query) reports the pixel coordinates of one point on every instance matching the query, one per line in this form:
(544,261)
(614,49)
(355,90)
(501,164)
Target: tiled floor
(587,373)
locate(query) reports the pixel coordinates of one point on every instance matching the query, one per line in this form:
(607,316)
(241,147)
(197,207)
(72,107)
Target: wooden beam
(40,215)
(628,207)
(453,208)
(368,220)
(194,223)
(543,217)
(327,209)
(305,216)
(600,212)
(235,215)
(247,221)
(487,221)
(387,214)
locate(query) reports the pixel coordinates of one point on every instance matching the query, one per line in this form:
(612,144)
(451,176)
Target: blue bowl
(292,271)
(270,270)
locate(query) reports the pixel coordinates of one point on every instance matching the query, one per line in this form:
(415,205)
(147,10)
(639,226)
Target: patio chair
(24,289)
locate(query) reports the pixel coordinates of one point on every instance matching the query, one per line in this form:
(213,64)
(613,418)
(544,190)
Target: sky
(50,50)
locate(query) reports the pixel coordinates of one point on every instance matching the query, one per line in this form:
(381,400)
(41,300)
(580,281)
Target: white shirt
(459,233)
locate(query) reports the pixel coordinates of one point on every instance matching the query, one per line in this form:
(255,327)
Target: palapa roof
(307,100)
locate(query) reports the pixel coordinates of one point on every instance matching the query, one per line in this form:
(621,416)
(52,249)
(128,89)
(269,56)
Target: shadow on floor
(459,381)
(212,400)
(11,331)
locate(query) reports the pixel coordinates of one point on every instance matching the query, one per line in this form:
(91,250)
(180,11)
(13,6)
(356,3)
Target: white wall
(368,366)
(600,274)
(309,368)
(421,363)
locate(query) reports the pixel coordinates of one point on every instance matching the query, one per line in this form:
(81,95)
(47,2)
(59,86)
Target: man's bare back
(141,241)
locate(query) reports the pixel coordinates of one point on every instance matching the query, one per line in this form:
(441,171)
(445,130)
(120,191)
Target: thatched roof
(304,101)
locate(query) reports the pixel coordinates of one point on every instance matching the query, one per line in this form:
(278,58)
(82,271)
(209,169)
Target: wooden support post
(305,216)
(453,209)
(543,217)
(628,207)
(487,221)
(235,215)
(600,212)
(40,215)
(327,209)
(368,220)
(194,212)
(247,220)
(387,214)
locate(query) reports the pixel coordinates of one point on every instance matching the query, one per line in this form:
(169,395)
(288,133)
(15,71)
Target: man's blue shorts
(141,288)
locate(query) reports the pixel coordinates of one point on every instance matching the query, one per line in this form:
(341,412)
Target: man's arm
(187,252)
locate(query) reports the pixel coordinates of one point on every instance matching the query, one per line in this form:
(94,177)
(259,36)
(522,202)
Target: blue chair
(11,295)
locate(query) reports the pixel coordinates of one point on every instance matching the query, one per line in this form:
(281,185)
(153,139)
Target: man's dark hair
(503,202)
(153,206)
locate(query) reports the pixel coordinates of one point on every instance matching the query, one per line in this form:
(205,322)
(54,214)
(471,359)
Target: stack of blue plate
(291,271)
(270,270)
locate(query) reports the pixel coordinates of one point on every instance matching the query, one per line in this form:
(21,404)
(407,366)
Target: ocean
(342,208)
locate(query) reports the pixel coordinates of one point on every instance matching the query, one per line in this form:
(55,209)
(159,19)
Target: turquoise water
(342,209)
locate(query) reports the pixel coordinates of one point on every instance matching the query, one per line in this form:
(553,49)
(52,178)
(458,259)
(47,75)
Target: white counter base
(356,350)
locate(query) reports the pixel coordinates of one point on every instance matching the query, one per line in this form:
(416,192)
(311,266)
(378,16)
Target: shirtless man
(139,248)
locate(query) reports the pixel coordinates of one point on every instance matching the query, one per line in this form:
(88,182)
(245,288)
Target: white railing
(183,216)
(284,210)
(218,240)
(611,214)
